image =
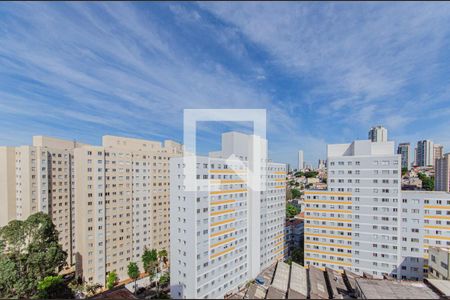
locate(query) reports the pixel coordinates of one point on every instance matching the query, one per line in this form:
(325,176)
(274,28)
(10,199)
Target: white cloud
(120,68)
(366,54)
(122,71)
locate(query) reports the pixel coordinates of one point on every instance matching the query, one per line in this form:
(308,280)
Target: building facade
(122,204)
(438,151)
(224,230)
(439,263)
(294,234)
(365,223)
(39,178)
(442,173)
(404,150)
(301,161)
(322,164)
(425,153)
(7,185)
(378,134)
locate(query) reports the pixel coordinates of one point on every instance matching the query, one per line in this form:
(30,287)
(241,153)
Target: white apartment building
(404,150)
(225,229)
(378,134)
(425,153)
(442,173)
(122,204)
(365,223)
(322,164)
(39,178)
(301,161)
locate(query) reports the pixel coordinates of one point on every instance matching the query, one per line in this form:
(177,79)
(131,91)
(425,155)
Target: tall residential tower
(121,204)
(425,153)
(438,151)
(404,149)
(442,173)
(365,223)
(378,134)
(39,178)
(301,161)
(227,222)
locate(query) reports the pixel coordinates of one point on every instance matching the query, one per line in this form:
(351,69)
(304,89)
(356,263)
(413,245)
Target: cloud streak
(325,72)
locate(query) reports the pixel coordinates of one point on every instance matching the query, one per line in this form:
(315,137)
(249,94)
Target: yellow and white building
(364,222)
(225,227)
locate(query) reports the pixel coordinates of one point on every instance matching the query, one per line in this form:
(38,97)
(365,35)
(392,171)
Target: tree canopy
(30,253)
(311,174)
(404,171)
(427,182)
(162,254)
(164,279)
(297,255)
(111,280)
(53,287)
(295,193)
(133,270)
(149,258)
(307,174)
(150,262)
(291,210)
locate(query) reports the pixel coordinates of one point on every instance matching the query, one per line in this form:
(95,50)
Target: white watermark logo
(243,155)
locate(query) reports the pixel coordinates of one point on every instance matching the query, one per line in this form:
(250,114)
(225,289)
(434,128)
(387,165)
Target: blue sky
(325,72)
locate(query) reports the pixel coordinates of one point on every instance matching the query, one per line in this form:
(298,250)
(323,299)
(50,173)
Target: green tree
(150,262)
(133,272)
(291,210)
(111,280)
(299,174)
(53,287)
(311,174)
(404,171)
(295,193)
(164,279)
(149,257)
(289,261)
(91,289)
(162,255)
(427,182)
(297,256)
(30,253)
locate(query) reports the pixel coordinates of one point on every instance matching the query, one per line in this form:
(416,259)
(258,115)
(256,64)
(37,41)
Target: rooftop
(442,287)
(116,293)
(444,249)
(387,289)
(297,282)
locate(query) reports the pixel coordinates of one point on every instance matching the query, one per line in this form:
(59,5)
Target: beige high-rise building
(442,173)
(7,185)
(438,151)
(38,178)
(122,203)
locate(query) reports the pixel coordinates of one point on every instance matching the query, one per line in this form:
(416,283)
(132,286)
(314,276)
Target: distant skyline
(325,72)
